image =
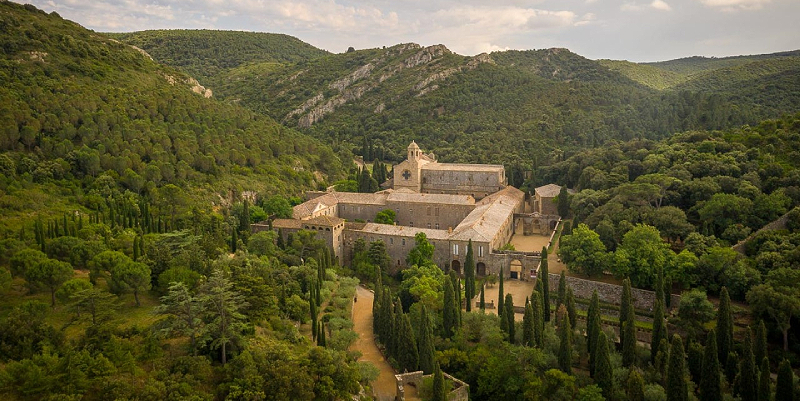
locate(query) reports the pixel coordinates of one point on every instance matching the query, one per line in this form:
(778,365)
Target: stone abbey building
(451,203)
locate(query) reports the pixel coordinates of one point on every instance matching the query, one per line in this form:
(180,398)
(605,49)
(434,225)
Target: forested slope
(76,105)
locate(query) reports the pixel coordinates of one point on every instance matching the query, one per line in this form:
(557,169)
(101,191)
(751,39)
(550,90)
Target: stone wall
(460,390)
(611,293)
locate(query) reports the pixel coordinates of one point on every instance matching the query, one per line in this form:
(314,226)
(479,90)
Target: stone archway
(480,269)
(456,265)
(515,269)
(553,224)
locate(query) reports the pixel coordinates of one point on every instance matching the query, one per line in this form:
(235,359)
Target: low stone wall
(460,390)
(611,293)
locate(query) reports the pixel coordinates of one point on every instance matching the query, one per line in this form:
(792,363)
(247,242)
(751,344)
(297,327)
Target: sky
(635,30)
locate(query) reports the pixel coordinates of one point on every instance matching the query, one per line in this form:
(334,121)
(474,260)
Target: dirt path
(385,386)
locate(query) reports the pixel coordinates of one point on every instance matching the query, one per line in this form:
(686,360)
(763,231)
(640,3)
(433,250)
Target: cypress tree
(280,243)
(538,322)
(483,297)
(449,314)
(764,393)
(760,347)
(458,302)
(731,367)
(544,276)
(629,344)
(313,312)
(659,284)
(469,277)
(527,326)
(565,335)
(508,315)
(594,306)
(597,328)
(677,390)
(659,329)
(662,358)
(234,239)
(135,248)
(724,328)
(427,357)
(407,354)
(710,386)
(695,361)
(321,336)
(500,295)
(784,388)
(748,376)
(573,317)
(625,308)
(438,384)
(604,374)
(389,329)
(562,290)
(397,329)
(635,386)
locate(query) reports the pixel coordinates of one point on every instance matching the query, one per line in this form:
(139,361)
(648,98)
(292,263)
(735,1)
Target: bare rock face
(473,63)
(306,105)
(199,89)
(425,55)
(361,72)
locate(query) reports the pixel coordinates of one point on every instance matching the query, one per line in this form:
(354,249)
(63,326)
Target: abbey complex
(450,203)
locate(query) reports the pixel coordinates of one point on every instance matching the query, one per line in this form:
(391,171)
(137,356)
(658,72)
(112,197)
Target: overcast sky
(636,30)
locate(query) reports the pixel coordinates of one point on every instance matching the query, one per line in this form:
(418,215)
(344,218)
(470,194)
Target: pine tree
(710,386)
(603,375)
(659,328)
(760,347)
(784,388)
(508,315)
(724,328)
(427,357)
(635,386)
(573,317)
(562,290)
(527,326)
(677,389)
(407,353)
(438,384)
(500,295)
(625,308)
(748,377)
(544,277)
(469,277)
(449,314)
(565,335)
(538,322)
(764,393)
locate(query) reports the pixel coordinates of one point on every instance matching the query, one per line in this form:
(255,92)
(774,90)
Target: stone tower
(407,174)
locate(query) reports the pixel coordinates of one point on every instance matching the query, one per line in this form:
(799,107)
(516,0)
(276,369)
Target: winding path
(384,387)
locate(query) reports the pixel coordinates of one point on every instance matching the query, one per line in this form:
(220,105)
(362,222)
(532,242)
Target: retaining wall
(611,293)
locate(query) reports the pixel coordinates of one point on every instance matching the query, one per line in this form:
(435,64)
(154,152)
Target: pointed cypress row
(469,277)
(748,376)
(527,326)
(724,328)
(500,295)
(427,357)
(508,316)
(407,354)
(625,308)
(603,375)
(784,388)
(659,328)
(710,386)
(677,390)
(538,320)
(544,277)
(565,335)
(764,393)
(760,345)
(321,336)
(449,314)
(695,360)
(635,386)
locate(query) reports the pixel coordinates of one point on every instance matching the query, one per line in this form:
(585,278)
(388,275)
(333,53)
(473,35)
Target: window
(411,224)
(437,226)
(480,251)
(429,225)
(455,249)
(404,242)
(391,240)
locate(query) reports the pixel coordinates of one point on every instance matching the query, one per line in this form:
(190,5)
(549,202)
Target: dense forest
(128,269)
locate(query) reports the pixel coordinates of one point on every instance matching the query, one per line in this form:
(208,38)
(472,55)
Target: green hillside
(644,74)
(204,54)
(697,64)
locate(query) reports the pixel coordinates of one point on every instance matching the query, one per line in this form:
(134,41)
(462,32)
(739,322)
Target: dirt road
(385,386)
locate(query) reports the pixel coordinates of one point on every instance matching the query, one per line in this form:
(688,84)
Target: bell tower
(407,174)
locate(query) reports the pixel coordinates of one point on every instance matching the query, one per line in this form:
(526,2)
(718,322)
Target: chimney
(449,230)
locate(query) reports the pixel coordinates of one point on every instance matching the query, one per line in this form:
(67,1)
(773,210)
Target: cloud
(733,5)
(660,5)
